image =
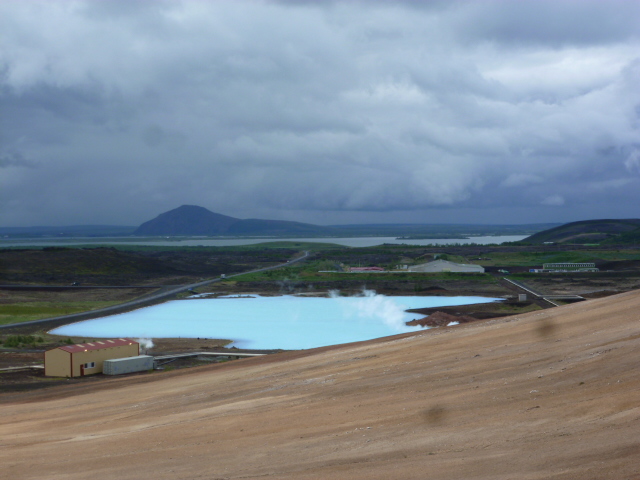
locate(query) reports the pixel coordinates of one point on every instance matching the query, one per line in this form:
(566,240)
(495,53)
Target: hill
(550,394)
(591,231)
(190,220)
(187,220)
(194,220)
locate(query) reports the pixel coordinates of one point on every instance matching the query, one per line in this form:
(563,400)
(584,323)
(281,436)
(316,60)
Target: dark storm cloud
(113,112)
(551,22)
(14,160)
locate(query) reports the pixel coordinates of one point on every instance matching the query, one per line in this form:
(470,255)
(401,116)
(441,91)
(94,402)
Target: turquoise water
(286,322)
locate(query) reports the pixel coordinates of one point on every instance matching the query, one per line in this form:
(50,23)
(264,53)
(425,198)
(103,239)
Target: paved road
(141,302)
(542,300)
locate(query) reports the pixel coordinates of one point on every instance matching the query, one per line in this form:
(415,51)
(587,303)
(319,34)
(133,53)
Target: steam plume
(145,344)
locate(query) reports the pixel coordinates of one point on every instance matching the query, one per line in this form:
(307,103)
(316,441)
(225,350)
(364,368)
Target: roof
(97,345)
(432,266)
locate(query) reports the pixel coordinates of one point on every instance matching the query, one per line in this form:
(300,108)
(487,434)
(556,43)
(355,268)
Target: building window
(90,365)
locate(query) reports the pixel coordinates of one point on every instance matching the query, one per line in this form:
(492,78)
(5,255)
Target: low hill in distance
(190,220)
(625,231)
(194,220)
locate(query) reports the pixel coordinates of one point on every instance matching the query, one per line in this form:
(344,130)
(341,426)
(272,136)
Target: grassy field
(310,271)
(532,259)
(24,312)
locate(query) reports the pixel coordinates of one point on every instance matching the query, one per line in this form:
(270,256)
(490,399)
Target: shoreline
(289,322)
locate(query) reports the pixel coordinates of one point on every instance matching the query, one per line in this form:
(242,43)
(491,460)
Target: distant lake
(229,242)
(286,322)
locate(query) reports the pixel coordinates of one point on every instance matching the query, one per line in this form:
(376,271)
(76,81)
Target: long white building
(446,266)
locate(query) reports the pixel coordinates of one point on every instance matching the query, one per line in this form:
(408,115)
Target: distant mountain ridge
(194,220)
(607,231)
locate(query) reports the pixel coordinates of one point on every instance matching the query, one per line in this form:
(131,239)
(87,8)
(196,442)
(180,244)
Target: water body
(228,242)
(286,322)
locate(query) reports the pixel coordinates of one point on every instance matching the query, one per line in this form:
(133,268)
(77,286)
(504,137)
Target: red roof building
(366,269)
(87,358)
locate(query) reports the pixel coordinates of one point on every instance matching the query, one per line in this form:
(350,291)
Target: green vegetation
(629,238)
(532,259)
(311,271)
(508,308)
(17,341)
(625,231)
(24,312)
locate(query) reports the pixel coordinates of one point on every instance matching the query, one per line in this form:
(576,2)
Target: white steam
(377,307)
(145,343)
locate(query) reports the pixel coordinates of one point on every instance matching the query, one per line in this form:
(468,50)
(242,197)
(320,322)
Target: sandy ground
(553,394)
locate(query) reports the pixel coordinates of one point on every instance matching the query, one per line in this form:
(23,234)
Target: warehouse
(569,267)
(87,358)
(446,266)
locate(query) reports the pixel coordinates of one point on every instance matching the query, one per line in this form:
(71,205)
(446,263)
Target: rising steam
(146,344)
(379,307)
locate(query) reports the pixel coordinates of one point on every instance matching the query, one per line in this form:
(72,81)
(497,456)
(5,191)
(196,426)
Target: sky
(334,112)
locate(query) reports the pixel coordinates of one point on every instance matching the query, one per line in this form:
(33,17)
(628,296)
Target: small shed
(87,358)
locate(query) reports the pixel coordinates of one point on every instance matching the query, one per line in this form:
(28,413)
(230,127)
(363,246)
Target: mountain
(187,220)
(591,231)
(194,220)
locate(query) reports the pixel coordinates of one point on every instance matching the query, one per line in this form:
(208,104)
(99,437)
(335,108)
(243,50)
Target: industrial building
(570,267)
(566,267)
(446,266)
(87,358)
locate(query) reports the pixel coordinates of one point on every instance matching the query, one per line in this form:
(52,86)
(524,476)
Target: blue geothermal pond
(285,322)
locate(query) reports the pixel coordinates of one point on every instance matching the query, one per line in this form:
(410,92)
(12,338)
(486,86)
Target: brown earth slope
(548,395)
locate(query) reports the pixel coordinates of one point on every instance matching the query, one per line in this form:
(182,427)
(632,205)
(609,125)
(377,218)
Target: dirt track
(550,394)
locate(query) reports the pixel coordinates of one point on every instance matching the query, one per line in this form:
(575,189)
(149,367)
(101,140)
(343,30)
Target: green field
(310,271)
(532,259)
(25,312)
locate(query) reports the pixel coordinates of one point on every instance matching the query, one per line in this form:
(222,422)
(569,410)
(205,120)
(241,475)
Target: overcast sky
(113,112)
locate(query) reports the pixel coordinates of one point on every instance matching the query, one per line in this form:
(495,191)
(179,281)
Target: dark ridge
(591,231)
(187,220)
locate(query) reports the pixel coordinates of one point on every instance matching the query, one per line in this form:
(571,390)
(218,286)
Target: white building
(446,266)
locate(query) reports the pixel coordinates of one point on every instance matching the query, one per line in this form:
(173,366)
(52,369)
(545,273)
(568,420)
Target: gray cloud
(334,112)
